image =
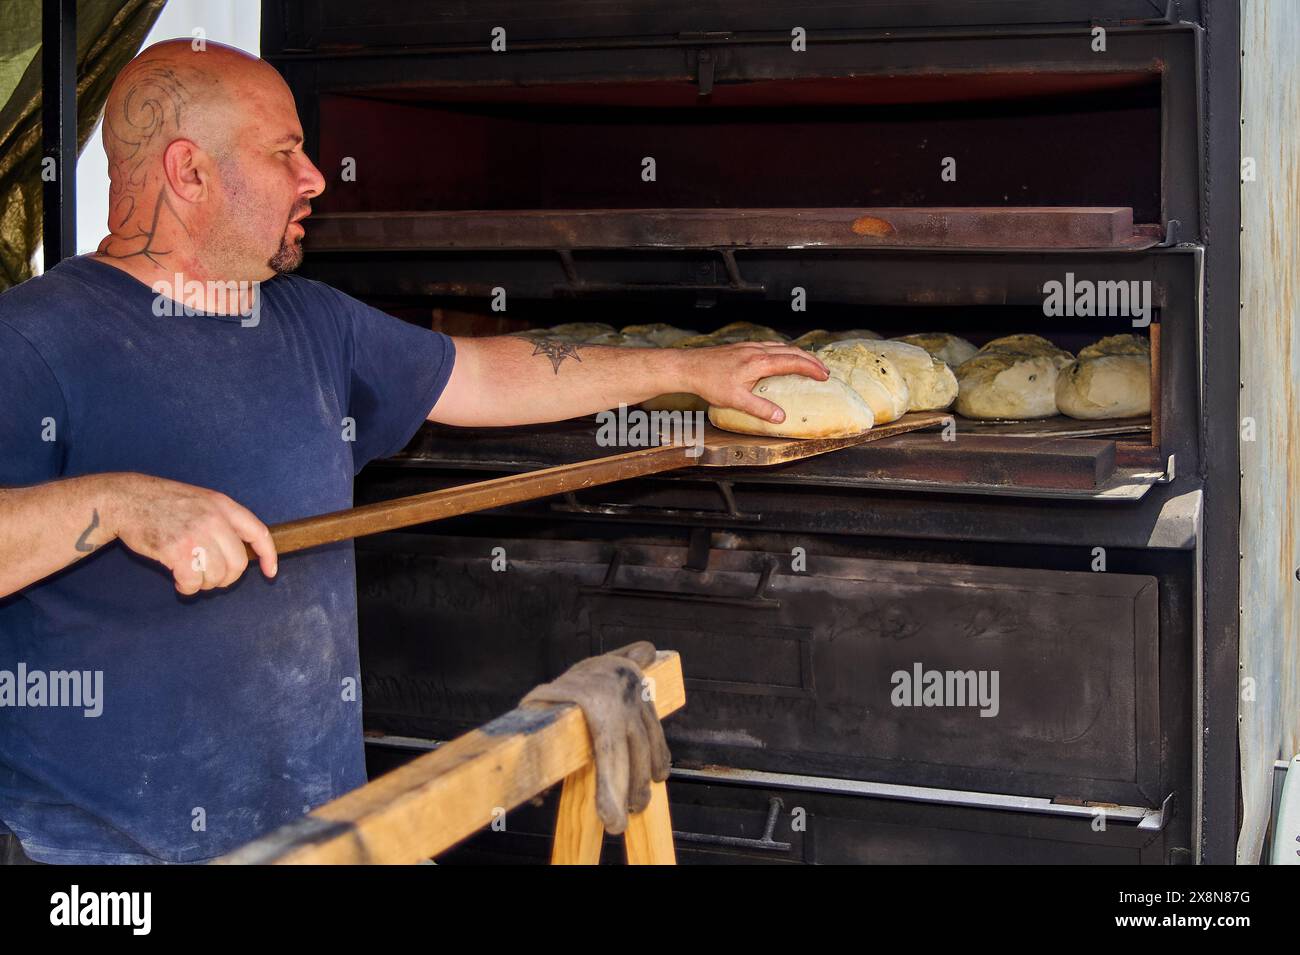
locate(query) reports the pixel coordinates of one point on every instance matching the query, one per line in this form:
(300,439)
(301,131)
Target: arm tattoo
(83,544)
(556,351)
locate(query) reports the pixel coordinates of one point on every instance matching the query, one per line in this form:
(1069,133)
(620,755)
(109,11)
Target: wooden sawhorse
(433,802)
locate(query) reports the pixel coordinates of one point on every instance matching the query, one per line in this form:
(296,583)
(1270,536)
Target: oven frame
(1200,510)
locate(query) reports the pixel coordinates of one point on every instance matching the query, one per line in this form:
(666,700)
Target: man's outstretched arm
(509,381)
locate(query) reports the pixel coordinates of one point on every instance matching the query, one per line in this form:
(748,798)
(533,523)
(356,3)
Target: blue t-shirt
(229,713)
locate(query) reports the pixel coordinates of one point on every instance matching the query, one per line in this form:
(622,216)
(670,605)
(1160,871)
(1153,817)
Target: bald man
(167,397)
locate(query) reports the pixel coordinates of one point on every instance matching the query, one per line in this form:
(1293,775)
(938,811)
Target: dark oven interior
(1063,139)
(461,190)
(476,173)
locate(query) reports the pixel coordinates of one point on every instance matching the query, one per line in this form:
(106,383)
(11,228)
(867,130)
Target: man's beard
(288,257)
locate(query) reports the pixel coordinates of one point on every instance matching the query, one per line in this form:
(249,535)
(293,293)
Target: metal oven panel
(786,672)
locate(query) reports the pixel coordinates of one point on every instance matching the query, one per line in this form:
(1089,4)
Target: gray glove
(625,733)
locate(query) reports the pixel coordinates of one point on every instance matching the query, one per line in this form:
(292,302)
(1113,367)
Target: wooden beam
(435,801)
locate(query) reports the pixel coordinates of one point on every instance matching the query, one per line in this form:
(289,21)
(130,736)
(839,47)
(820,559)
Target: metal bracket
(756,600)
(697,552)
(731,512)
(1157,819)
(735,283)
(704,68)
(1167,18)
(1172,228)
(764,843)
(1171,471)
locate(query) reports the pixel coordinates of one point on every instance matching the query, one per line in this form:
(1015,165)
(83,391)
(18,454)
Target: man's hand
(626,737)
(725,374)
(195,533)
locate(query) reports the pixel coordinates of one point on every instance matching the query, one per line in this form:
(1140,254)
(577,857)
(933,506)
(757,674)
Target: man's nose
(314,182)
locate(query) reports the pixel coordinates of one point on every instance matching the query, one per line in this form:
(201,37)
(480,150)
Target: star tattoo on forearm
(556,351)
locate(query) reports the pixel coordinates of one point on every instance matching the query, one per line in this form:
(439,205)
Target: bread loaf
(881,385)
(811,341)
(1007,385)
(1105,386)
(746,332)
(657,333)
(813,409)
(950,349)
(578,332)
(1117,345)
(619,339)
(931,384)
(1029,345)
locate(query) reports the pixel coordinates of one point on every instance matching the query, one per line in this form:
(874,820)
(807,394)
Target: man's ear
(185,167)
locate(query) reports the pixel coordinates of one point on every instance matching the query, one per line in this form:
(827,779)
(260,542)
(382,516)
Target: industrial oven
(907,167)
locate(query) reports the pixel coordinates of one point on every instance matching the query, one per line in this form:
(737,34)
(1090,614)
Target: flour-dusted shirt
(229,713)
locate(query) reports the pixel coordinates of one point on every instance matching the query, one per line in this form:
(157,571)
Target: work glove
(626,737)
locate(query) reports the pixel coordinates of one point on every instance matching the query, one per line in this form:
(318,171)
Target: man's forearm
(508,380)
(46,527)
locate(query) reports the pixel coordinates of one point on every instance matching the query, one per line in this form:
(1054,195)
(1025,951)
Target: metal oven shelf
(1032,228)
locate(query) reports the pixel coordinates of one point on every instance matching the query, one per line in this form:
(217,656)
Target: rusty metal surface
(1270,398)
(1041,227)
(1057,426)
(343,27)
(1044,459)
(1065,463)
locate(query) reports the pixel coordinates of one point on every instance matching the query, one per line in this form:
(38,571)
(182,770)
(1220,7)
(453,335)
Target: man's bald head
(172,91)
(205,142)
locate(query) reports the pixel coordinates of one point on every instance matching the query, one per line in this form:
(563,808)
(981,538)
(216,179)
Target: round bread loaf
(659,333)
(810,341)
(813,409)
(578,331)
(950,349)
(931,384)
(1029,345)
(853,334)
(1117,345)
(1105,386)
(1001,385)
(882,386)
(746,332)
(620,339)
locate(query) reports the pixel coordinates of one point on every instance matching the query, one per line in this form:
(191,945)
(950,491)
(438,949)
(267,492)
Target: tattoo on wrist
(83,543)
(556,351)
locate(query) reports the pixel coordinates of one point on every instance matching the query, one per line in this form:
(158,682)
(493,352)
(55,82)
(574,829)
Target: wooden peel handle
(468,498)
